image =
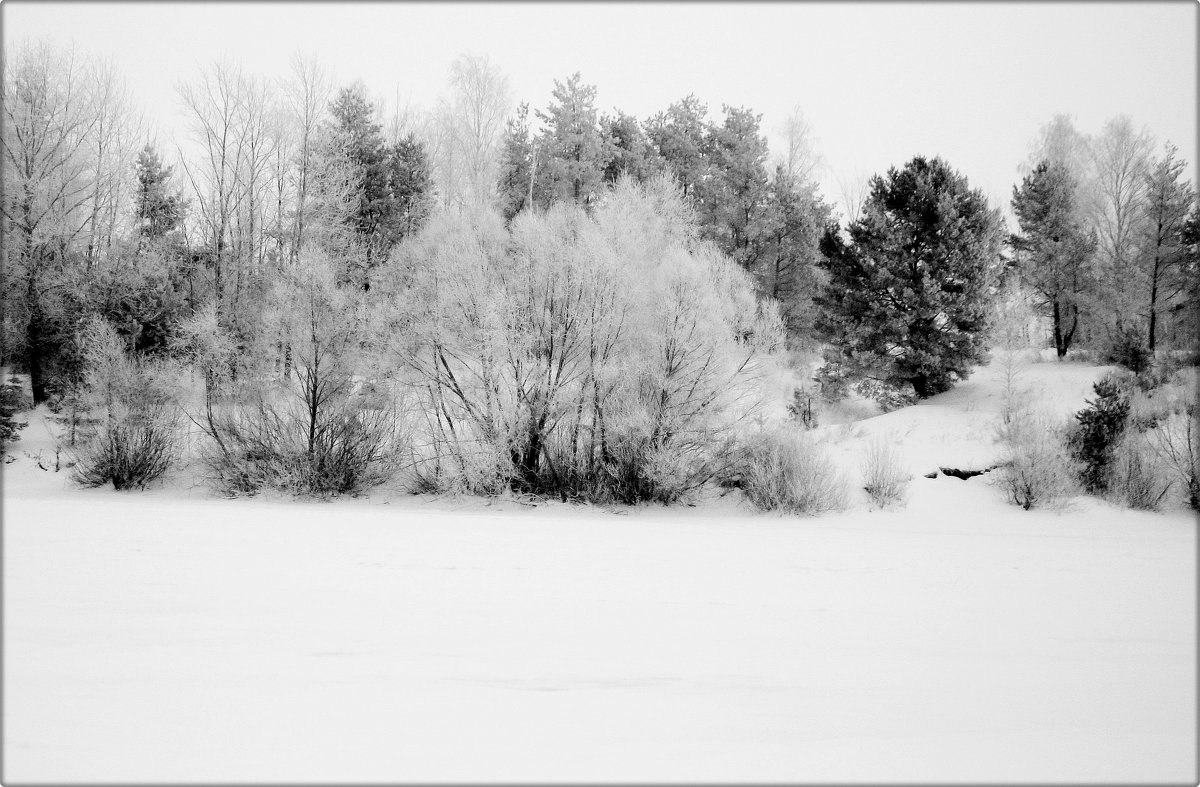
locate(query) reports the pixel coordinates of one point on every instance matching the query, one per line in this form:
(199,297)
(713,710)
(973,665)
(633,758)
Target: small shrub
(1136,476)
(1100,426)
(12,401)
(345,450)
(1126,348)
(884,476)
(801,409)
(1038,471)
(131,434)
(1158,373)
(128,455)
(785,472)
(833,381)
(1175,441)
(458,467)
(887,396)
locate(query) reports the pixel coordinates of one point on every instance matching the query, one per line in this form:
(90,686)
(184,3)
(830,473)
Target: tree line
(571,302)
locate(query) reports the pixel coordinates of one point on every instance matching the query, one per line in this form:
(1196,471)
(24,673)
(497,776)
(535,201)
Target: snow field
(169,636)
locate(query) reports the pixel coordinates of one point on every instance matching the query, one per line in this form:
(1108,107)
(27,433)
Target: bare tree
(113,147)
(853,191)
(308,94)
(215,106)
(1059,142)
(469,125)
(1120,160)
(255,158)
(800,157)
(229,114)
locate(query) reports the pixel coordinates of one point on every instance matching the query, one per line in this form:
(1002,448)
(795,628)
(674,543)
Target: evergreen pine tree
(678,136)
(571,151)
(790,233)
(157,211)
(392,181)
(516,162)
(907,299)
(629,149)
(733,207)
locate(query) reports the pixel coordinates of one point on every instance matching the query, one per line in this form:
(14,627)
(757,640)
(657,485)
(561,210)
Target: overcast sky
(879,83)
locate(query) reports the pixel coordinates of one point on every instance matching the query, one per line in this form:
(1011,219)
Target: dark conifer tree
(908,296)
(393,181)
(516,163)
(158,211)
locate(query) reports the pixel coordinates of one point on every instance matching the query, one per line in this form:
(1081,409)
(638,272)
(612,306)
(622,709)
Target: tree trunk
(1153,302)
(33,342)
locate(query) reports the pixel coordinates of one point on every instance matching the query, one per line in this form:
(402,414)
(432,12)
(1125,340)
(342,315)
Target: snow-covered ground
(171,636)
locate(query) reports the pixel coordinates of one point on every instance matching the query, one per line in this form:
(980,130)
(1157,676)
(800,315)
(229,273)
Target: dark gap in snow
(962,474)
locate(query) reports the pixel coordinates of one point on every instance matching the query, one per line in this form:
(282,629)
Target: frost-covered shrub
(605,355)
(801,409)
(784,471)
(1137,478)
(316,429)
(884,476)
(128,455)
(1099,428)
(1038,470)
(448,464)
(133,436)
(1175,441)
(266,446)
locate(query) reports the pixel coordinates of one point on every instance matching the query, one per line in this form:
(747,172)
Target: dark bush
(889,397)
(1100,425)
(128,455)
(1126,348)
(833,381)
(265,446)
(12,401)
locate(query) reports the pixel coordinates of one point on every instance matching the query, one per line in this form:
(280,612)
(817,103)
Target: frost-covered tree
(306,95)
(516,184)
(1053,248)
(734,203)
(1121,157)
(570,153)
(470,124)
(908,296)
(629,149)
(157,209)
(790,231)
(1163,252)
(678,136)
(51,111)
